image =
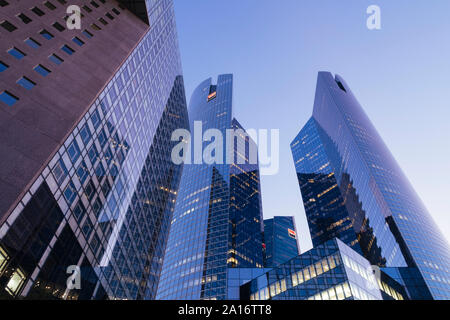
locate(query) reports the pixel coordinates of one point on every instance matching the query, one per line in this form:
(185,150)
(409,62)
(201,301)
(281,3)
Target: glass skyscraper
(217,222)
(86,118)
(353,189)
(280,240)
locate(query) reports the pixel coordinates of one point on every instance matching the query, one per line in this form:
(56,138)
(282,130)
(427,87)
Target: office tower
(353,189)
(86,117)
(217,222)
(280,239)
(330,271)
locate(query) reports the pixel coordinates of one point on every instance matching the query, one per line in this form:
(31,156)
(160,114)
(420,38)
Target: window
(79,211)
(95,27)
(24,18)
(43,71)
(94,4)
(95,118)
(38,11)
(3,3)
(85,134)
(8,98)
(116,11)
(93,154)
(47,35)
(3,66)
(16,53)
(26,83)
(55,59)
(58,27)
(74,151)
(109,15)
(67,50)
(78,41)
(15,282)
(50,5)
(3,259)
(8,26)
(32,43)
(82,172)
(60,172)
(88,34)
(62,1)
(70,193)
(87,9)
(103,21)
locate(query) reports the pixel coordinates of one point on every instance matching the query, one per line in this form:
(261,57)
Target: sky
(275,49)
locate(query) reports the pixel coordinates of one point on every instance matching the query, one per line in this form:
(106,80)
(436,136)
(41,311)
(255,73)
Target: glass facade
(353,189)
(280,240)
(217,222)
(104,201)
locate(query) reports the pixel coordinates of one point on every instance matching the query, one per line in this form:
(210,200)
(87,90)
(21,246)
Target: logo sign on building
(212,96)
(292,233)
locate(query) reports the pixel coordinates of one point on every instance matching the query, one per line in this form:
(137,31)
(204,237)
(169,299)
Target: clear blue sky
(399,74)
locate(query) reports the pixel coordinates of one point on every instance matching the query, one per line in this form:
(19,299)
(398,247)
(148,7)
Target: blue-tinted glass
(8,98)
(55,59)
(82,172)
(47,35)
(16,53)
(100,171)
(74,151)
(95,118)
(87,34)
(78,41)
(60,171)
(85,134)
(102,138)
(3,66)
(67,50)
(43,71)
(26,83)
(70,193)
(79,211)
(93,154)
(32,43)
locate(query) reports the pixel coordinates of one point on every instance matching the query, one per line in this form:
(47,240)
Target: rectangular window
(32,43)
(95,27)
(3,259)
(8,26)
(87,9)
(67,49)
(15,282)
(8,98)
(95,118)
(93,154)
(78,41)
(94,4)
(38,11)
(116,11)
(60,172)
(62,1)
(43,71)
(24,18)
(85,134)
(3,66)
(26,83)
(47,35)
(3,3)
(82,172)
(50,5)
(109,15)
(55,59)
(79,211)
(88,34)
(58,27)
(70,193)
(103,21)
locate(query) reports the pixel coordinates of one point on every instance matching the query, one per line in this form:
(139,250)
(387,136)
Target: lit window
(43,71)
(3,259)
(8,26)
(26,83)
(3,66)
(24,18)
(32,43)
(15,282)
(67,50)
(95,27)
(47,35)
(55,59)
(8,98)
(78,41)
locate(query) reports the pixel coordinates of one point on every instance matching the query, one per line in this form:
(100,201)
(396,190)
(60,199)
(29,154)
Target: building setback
(353,189)
(280,239)
(86,116)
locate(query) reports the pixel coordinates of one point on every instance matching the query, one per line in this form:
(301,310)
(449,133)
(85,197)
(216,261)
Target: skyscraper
(217,222)
(86,177)
(353,189)
(280,239)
